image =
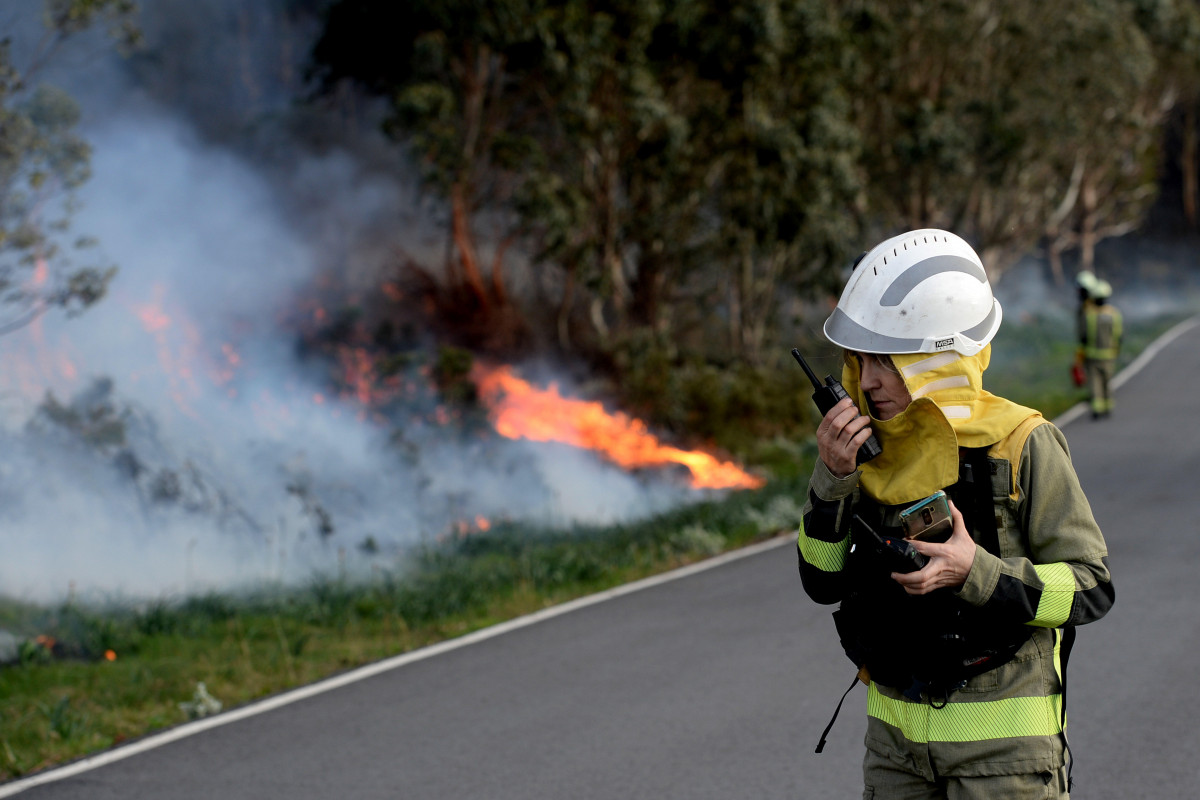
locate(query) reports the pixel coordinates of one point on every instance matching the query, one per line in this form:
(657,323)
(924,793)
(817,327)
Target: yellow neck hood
(950,409)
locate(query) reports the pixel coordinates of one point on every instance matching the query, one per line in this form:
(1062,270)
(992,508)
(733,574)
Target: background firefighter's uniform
(1101,343)
(1049,570)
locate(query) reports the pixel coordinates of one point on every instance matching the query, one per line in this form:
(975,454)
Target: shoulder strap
(973,495)
(1010,448)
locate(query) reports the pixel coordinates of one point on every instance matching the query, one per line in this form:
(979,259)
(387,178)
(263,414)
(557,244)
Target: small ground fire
(519,410)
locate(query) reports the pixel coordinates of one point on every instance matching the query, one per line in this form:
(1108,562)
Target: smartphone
(929,519)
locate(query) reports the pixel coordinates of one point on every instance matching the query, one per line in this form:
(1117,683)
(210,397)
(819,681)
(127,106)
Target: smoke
(1152,277)
(173,439)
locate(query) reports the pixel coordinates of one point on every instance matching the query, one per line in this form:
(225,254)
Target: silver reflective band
(909,279)
(845,332)
(981,330)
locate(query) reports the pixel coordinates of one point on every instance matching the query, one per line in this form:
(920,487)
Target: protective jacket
(1041,565)
(1102,332)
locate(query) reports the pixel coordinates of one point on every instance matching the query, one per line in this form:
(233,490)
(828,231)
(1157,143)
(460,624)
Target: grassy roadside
(67,700)
(108,675)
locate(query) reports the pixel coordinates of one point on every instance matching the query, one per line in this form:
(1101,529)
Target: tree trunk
(1188,165)
(613,265)
(737,298)
(499,291)
(596,310)
(1054,256)
(466,245)
(1087,227)
(564,309)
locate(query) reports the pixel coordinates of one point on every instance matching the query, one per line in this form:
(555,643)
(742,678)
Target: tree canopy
(43,160)
(678,172)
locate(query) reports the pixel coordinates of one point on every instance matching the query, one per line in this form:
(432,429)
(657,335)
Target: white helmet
(924,291)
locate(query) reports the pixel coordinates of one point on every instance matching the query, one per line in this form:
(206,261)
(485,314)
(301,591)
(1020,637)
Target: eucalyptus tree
(1125,86)
(702,164)
(459,106)
(623,204)
(786,156)
(1009,122)
(611,205)
(547,118)
(43,161)
(668,165)
(1173,28)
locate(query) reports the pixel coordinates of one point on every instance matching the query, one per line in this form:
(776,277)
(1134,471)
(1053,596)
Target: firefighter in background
(965,658)
(1100,341)
(1085,281)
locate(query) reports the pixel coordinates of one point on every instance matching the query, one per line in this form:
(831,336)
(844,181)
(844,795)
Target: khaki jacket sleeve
(823,541)
(1058,574)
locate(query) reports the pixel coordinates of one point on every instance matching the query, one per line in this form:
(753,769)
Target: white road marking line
(186,729)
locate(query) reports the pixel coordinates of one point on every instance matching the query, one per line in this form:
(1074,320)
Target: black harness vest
(928,644)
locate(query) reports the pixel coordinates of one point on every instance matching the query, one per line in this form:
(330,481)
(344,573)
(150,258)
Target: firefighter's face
(884,385)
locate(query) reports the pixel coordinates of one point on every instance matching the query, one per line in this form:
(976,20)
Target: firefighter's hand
(949,561)
(840,434)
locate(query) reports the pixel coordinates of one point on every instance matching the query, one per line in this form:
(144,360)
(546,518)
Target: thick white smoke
(182,446)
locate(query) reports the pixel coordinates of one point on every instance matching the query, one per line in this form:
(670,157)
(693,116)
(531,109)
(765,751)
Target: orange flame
(32,364)
(463,528)
(520,410)
(174,358)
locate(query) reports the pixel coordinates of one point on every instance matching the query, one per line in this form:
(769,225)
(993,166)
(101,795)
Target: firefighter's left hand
(949,561)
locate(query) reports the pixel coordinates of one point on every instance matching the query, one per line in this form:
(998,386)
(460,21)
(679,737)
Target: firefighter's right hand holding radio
(839,436)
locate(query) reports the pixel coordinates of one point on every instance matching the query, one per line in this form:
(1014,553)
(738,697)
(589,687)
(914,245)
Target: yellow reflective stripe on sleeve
(825,556)
(1058,593)
(969,722)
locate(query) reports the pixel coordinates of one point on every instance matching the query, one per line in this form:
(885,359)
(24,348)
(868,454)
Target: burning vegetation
(520,410)
(365,440)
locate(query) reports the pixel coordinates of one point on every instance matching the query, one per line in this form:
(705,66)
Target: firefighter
(1100,341)
(964,658)
(1085,282)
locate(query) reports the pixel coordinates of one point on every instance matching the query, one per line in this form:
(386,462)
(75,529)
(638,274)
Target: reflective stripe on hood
(950,409)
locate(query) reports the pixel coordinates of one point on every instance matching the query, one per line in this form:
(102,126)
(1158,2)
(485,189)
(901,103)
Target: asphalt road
(718,684)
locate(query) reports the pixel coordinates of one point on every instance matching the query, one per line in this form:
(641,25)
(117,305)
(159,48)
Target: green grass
(56,706)
(63,702)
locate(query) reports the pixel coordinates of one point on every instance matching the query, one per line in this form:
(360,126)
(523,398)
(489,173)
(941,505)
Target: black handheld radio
(895,553)
(826,397)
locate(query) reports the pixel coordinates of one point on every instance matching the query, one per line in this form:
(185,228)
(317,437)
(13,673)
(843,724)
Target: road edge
(187,729)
